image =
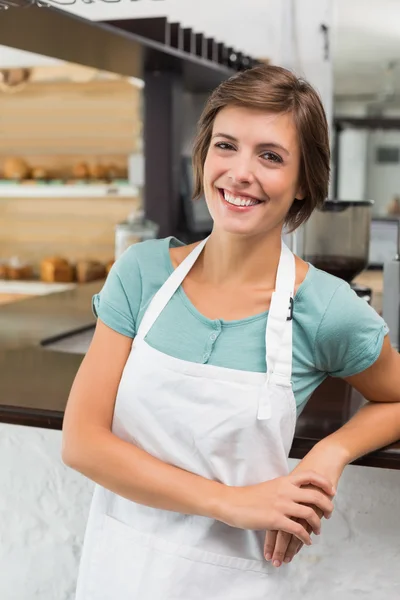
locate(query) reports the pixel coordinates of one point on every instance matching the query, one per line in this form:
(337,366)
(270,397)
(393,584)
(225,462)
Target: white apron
(235,427)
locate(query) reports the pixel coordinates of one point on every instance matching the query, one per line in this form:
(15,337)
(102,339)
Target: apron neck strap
(278,334)
(166,291)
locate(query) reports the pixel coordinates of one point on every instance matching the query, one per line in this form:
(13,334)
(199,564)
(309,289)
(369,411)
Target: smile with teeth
(239,200)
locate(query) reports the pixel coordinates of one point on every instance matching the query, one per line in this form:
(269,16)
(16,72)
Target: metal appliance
(336,240)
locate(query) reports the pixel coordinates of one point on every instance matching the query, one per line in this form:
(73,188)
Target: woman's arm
(375,425)
(378,423)
(89,446)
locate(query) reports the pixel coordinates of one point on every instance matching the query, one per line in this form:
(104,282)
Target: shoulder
(339,303)
(348,332)
(146,266)
(140,255)
(133,280)
(149,260)
(317,291)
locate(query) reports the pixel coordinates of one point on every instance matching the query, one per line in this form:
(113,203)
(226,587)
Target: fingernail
(287,559)
(276,563)
(268,556)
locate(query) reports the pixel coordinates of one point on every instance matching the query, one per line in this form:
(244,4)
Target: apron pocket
(130,565)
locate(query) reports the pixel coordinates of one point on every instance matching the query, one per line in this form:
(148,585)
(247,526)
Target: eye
(272,157)
(224,146)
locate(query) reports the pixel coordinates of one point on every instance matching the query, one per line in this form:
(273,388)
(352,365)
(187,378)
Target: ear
(300,194)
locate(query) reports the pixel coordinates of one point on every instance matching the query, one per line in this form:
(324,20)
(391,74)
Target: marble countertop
(35,381)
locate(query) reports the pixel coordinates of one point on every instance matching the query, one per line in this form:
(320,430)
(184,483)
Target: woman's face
(251,170)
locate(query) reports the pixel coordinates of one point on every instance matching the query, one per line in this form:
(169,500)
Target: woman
(184,408)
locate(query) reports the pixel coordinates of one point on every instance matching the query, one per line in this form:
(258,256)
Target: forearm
(136,475)
(374,426)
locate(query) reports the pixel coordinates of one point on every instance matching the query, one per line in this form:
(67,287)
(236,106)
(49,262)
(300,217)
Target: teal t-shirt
(334,332)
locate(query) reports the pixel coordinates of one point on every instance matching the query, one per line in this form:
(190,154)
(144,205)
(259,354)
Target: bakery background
(70,156)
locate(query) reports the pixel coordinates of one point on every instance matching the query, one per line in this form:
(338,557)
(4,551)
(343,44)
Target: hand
(276,503)
(326,460)
(280,546)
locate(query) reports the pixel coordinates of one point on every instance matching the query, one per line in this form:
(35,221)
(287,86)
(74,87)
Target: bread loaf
(80,171)
(39,173)
(19,273)
(17,269)
(89,270)
(16,168)
(3,271)
(56,269)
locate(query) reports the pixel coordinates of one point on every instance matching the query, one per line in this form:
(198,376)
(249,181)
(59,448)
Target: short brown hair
(275,89)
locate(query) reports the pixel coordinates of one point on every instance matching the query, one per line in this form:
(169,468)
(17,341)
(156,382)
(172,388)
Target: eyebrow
(262,145)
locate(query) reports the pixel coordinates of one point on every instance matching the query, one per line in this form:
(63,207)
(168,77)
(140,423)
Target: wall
(353,149)
(44,507)
(302,44)
(382,180)
(360,177)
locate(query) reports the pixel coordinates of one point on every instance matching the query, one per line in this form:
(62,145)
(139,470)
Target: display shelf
(74,190)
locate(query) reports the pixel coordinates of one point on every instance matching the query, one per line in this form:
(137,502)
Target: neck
(235,259)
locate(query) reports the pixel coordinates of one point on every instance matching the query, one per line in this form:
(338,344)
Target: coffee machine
(336,240)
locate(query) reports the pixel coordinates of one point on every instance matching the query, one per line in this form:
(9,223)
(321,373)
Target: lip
(239,209)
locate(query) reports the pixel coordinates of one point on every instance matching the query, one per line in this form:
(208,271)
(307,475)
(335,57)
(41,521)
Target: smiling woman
(184,408)
(249,178)
(283,120)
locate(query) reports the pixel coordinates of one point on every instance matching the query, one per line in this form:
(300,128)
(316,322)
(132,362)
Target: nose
(241,171)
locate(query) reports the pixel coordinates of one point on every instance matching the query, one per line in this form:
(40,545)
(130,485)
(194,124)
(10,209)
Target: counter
(35,382)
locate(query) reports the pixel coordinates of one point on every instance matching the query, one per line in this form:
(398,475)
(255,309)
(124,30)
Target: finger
(282,542)
(308,514)
(269,546)
(291,550)
(315,498)
(295,545)
(295,528)
(310,477)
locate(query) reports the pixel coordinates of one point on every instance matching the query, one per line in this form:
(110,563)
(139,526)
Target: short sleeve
(118,302)
(350,336)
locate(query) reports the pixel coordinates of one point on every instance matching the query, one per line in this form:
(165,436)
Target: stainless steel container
(134,230)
